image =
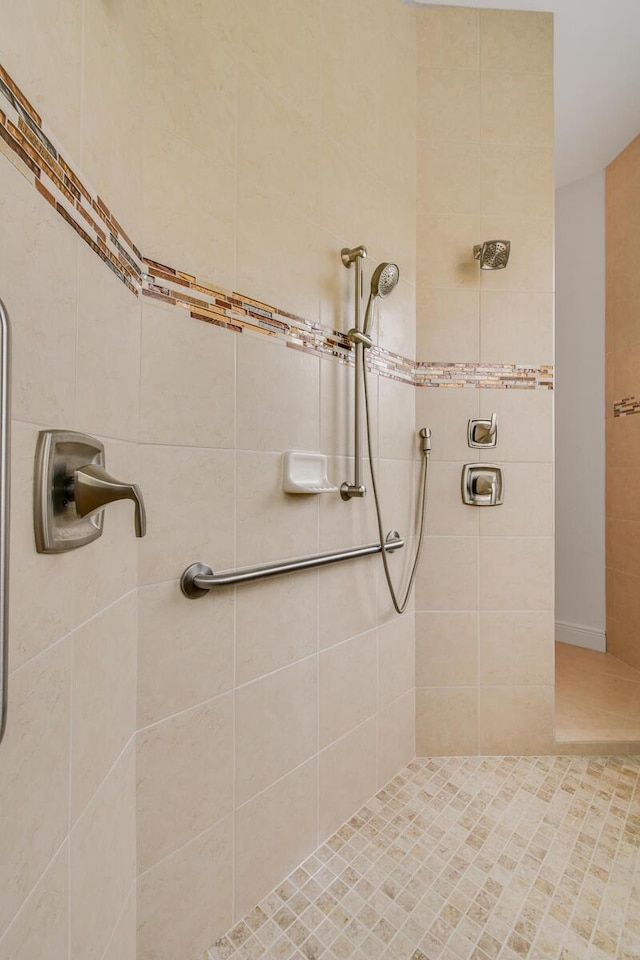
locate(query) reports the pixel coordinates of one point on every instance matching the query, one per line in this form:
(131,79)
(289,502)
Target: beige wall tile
(277,147)
(35,764)
(448,104)
(516,327)
(111,129)
(178,351)
(184,778)
(448,574)
(33,626)
(516,648)
(525,424)
(103,714)
(184,903)
(103,861)
(448,411)
(446,649)
(396,737)
(397,482)
(516,40)
(347,601)
(42,926)
(123,941)
(41,49)
(347,686)
(107,352)
(271,240)
(446,721)
(517,180)
(449,37)
(396,659)
(276,726)
(278,397)
(516,573)
(190,221)
(347,523)
(449,178)
(182,528)
(528,503)
(270,524)
(43,314)
(265,46)
(185,654)
(517,108)
(447,324)
(200,104)
(397,438)
(273,833)
(445,250)
(395,323)
(336,400)
(347,777)
(447,515)
(516,720)
(267,640)
(347,208)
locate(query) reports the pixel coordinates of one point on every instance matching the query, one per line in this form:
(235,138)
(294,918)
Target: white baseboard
(581,636)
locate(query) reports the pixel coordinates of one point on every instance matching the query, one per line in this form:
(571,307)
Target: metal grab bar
(5,397)
(198,578)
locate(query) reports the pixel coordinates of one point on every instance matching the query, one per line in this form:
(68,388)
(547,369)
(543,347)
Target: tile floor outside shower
(486,858)
(597,696)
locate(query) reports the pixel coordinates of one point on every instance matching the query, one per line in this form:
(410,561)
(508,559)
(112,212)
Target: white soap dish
(306,473)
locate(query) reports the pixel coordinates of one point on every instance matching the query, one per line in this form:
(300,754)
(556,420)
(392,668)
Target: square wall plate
(57,526)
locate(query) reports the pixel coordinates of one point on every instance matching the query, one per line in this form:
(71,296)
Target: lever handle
(486,485)
(486,431)
(93,488)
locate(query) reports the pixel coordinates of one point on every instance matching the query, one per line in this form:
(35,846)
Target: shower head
(383,282)
(492,254)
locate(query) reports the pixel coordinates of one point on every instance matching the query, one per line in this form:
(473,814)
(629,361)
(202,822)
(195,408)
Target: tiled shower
(175,189)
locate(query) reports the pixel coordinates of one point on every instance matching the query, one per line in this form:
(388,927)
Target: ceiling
(597,78)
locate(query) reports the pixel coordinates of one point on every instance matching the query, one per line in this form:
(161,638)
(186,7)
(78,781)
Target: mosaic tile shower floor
(481,858)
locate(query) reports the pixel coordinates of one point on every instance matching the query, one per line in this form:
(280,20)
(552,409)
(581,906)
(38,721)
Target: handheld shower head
(383,282)
(492,254)
(384,279)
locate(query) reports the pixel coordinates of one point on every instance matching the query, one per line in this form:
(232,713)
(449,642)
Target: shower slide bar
(5,395)
(198,578)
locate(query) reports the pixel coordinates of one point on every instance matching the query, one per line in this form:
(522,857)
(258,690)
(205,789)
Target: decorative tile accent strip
(492,375)
(625,407)
(26,144)
(472,858)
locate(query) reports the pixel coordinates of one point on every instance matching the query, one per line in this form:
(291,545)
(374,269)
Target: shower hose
(399,605)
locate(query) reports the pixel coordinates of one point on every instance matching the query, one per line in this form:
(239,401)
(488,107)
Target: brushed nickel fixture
(5,400)
(71,490)
(492,254)
(383,282)
(482,484)
(483,433)
(199,578)
(355,255)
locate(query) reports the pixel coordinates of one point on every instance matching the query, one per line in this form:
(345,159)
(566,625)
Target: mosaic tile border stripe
(27,144)
(626,407)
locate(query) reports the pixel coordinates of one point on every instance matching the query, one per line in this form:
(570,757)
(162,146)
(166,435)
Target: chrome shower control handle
(92,488)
